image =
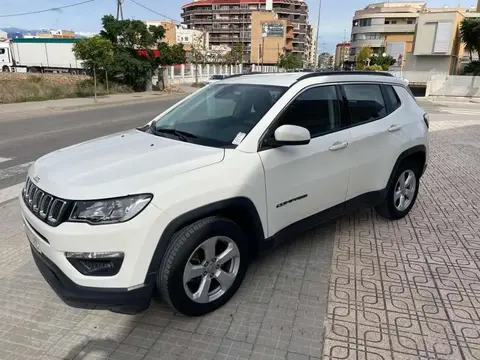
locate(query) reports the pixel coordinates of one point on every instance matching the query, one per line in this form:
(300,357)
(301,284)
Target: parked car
(180,206)
(215,78)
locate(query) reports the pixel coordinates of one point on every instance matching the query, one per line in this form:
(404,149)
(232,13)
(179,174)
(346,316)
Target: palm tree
(470,34)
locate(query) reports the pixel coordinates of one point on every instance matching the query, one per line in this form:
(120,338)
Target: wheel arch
(418,154)
(241,210)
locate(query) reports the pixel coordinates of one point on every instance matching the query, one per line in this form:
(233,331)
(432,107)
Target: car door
(304,180)
(376,135)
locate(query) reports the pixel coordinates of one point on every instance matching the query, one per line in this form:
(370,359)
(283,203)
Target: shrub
(472,68)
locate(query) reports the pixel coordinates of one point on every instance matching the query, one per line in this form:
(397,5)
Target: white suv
(181,205)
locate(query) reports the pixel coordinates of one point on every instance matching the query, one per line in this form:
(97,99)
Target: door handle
(394,127)
(338,145)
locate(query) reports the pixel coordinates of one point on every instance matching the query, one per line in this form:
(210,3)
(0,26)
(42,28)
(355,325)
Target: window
(317,109)
(2,51)
(392,98)
(365,102)
(218,113)
(365,22)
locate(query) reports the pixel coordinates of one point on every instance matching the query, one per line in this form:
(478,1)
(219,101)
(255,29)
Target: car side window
(392,97)
(317,109)
(365,102)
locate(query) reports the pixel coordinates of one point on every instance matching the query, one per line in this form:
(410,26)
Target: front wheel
(203,266)
(402,193)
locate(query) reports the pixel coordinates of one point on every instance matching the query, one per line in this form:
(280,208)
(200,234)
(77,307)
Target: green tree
(383,61)
(235,56)
(470,34)
(364,57)
(133,60)
(290,61)
(197,54)
(96,53)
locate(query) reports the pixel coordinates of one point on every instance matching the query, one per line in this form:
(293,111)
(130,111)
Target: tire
(187,247)
(5,69)
(390,208)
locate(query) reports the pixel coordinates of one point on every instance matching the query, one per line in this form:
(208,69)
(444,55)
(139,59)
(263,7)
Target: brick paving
(411,289)
(357,288)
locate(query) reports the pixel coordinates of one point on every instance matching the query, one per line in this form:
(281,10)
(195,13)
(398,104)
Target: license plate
(32,238)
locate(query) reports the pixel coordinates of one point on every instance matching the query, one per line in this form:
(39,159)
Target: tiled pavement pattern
(411,289)
(277,314)
(404,290)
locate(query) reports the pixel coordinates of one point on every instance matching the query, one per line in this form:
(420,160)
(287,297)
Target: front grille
(46,207)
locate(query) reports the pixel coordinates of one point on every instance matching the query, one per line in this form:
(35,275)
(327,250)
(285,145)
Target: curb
(114,103)
(99,104)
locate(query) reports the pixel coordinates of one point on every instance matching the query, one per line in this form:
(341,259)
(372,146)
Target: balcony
(282,10)
(386,28)
(368,42)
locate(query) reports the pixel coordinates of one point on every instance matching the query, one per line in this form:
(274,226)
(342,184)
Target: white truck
(39,55)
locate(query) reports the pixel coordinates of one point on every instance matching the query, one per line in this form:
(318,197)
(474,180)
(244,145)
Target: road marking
(15,170)
(10,193)
(2,159)
(461,111)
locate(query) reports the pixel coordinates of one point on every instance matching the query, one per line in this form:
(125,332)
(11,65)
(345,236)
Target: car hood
(118,165)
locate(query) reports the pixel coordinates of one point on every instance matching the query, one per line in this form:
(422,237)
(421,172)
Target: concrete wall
(453,86)
(427,63)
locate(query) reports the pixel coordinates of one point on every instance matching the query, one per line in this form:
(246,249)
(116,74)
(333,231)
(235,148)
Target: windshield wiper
(181,135)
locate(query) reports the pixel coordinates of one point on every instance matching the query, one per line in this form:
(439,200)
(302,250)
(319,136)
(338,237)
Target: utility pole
(318,30)
(478,6)
(120,9)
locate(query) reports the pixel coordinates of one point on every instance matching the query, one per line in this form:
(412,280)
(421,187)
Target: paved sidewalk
(357,288)
(411,289)
(19,110)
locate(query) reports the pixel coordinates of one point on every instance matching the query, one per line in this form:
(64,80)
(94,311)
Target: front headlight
(110,210)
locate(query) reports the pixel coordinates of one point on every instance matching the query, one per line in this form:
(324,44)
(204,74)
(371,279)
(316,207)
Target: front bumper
(137,239)
(137,299)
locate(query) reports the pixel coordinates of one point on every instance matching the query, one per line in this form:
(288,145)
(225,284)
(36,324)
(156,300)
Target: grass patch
(14,89)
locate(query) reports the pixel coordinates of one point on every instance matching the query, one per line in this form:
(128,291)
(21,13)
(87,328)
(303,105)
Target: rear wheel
(203,266)
(5,69)
(402,192)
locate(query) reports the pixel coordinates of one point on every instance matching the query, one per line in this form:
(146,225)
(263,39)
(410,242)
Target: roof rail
(249,73)
(357,72)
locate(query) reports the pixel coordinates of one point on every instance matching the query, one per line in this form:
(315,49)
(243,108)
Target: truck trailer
(40,55)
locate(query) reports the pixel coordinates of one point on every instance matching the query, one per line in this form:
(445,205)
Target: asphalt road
(25,140)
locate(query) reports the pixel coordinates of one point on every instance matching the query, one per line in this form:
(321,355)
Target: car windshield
(219,115)
(216,77)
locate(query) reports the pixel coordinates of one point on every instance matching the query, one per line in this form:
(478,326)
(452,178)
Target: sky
(335,19)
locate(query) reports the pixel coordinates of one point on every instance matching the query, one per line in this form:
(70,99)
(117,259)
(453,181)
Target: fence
(185,74)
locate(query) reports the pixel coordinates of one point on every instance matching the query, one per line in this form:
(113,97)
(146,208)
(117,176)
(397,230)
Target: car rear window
(392,98)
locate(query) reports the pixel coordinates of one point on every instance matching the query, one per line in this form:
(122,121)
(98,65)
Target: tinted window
(221,112)
(365,102)
(316,109)
(392,97)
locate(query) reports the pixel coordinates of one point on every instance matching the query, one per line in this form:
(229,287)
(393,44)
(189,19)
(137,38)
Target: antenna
(120,9)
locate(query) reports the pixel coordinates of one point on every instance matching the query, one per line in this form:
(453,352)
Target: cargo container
(40,55)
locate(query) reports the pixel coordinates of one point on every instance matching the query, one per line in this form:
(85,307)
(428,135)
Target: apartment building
(233,21)
(386,27)
(181,34)
(326,60)
(342,53)
(411,32)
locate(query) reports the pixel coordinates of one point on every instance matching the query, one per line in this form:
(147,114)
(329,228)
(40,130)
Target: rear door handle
(394,127)
(338,145)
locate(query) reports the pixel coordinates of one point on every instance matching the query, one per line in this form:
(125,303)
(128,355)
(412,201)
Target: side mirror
(290,135)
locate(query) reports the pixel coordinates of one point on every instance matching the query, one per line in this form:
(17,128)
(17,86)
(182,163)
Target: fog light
(97,263)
